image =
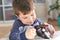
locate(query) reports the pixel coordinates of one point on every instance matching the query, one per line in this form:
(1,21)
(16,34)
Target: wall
(41,10)
(53,14)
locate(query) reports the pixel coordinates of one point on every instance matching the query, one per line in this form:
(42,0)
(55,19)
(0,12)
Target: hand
(30,32)
(50,29)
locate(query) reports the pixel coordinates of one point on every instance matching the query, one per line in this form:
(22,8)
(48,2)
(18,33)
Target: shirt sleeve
(17,34)
(38,21)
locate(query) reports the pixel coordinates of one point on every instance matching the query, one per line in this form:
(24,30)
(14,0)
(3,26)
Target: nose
(30,19)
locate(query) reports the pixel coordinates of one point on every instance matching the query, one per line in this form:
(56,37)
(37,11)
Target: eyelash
(25,18)
(32,15)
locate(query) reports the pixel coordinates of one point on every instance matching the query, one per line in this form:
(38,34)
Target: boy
(23,27)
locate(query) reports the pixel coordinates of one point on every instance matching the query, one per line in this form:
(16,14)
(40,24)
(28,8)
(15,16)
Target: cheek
(34,17)
(23,20)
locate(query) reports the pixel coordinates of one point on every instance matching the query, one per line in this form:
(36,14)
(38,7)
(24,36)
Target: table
(56,36)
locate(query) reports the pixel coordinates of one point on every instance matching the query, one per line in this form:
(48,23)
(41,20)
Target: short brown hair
(22,5)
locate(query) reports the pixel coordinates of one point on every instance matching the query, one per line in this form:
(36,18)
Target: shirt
(18,30)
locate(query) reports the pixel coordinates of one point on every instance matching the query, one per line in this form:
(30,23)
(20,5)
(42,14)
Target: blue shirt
(18,30)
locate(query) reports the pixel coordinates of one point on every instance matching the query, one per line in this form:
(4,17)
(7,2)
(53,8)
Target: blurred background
(42,7)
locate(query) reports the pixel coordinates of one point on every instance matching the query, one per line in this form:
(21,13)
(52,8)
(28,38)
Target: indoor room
(48,11)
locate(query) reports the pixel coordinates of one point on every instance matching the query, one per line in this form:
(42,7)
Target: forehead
(22,15)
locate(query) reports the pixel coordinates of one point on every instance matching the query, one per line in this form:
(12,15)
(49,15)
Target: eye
(25,18)
(32,15)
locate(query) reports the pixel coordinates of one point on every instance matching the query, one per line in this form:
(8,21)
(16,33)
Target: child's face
(28,18)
